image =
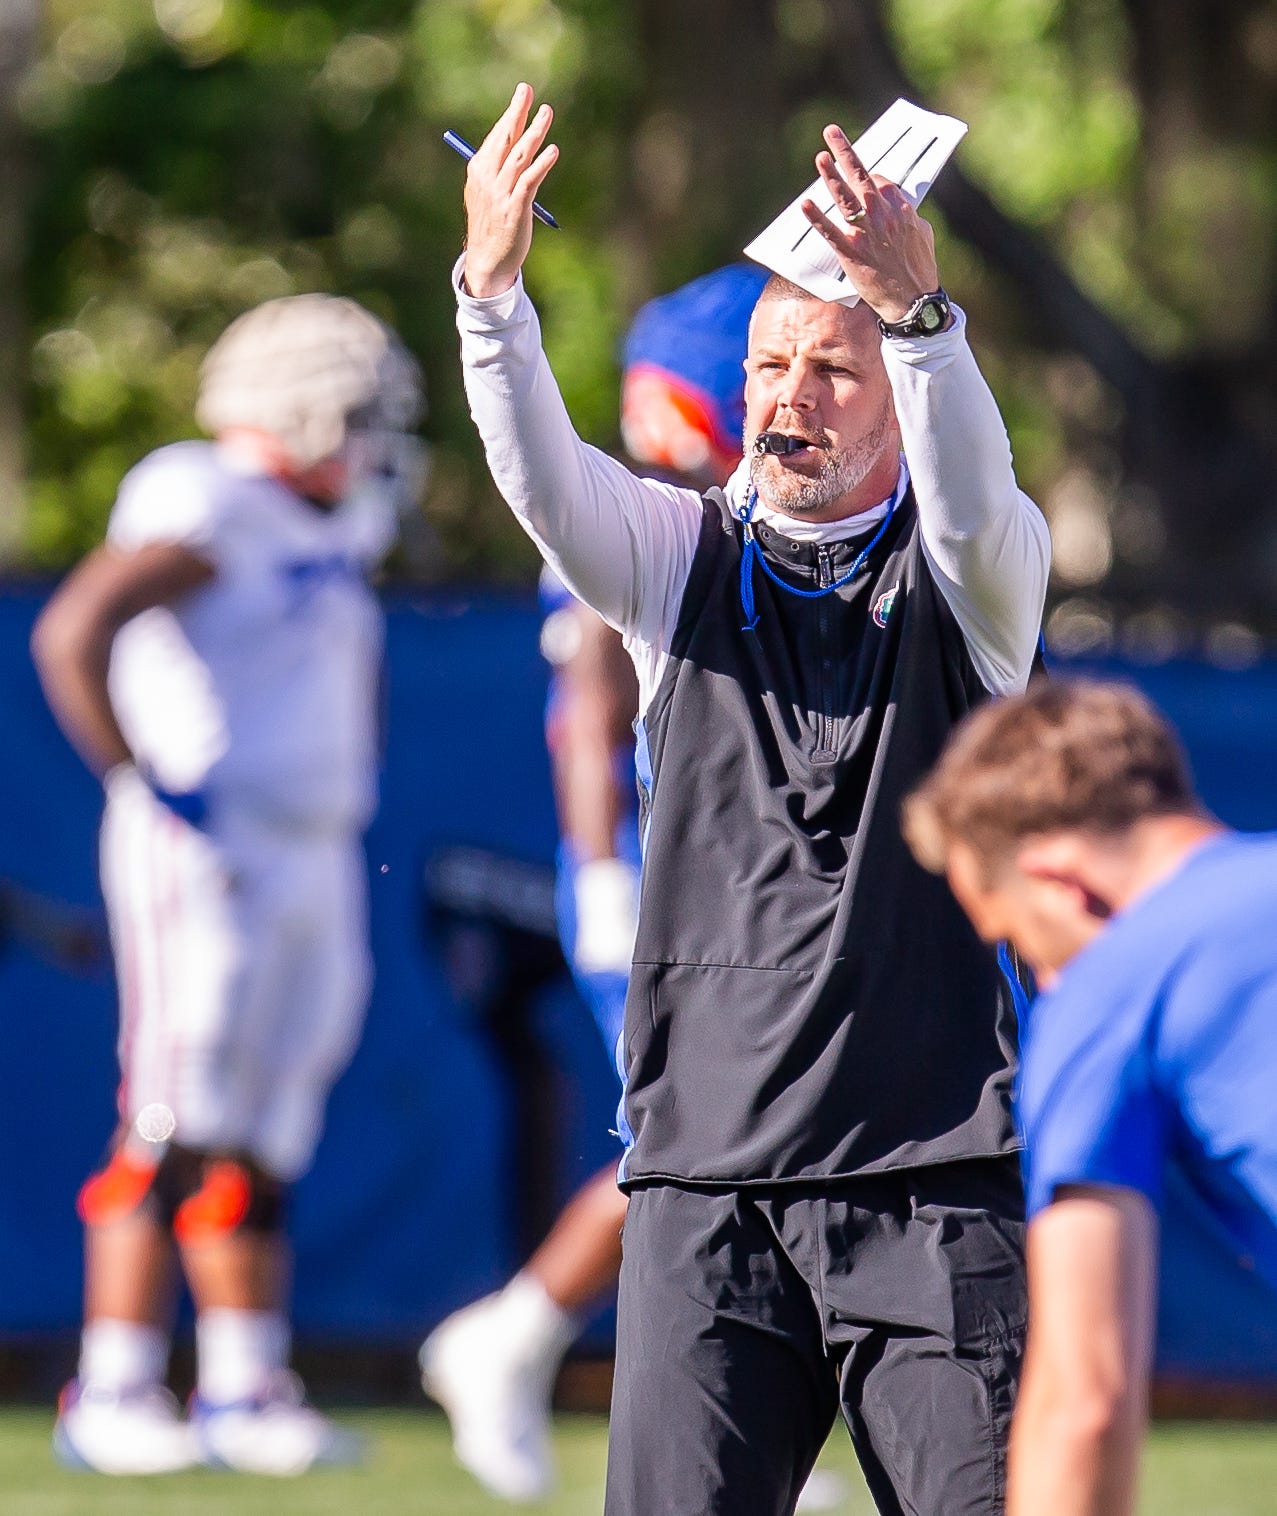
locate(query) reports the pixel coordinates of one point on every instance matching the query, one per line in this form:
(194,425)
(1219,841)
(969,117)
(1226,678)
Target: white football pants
(243,970)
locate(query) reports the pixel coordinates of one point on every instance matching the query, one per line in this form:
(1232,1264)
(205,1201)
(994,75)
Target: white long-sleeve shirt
(624,545)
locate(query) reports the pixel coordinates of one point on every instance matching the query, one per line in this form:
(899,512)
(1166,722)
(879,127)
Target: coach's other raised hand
(887,250)
(501,183)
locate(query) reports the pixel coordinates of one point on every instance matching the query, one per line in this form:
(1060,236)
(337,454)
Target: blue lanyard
(752,552)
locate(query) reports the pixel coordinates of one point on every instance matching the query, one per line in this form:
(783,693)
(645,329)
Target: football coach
(826,1211)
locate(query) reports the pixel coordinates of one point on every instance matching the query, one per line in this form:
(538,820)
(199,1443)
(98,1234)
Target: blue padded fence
(412,1206)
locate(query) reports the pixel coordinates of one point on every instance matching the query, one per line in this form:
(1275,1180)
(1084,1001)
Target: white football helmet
(318,372)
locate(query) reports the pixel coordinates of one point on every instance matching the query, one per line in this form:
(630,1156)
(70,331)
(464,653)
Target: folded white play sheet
(906,145)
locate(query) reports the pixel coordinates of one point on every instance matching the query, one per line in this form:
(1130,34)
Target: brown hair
(1070,755)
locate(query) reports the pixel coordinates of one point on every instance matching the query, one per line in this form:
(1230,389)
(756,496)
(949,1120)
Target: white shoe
(825,1490)
(273,1433)
(497,1401)
(137,1431)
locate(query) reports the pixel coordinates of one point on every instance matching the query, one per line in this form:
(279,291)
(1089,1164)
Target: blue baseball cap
(683,370)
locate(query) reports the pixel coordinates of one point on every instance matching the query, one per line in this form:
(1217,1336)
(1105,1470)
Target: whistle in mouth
(777,442)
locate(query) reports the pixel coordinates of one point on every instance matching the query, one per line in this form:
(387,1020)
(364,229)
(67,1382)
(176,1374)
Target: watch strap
(927,315)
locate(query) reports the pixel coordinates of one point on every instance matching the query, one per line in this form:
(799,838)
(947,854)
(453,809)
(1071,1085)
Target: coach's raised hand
(887,250)
(501,183)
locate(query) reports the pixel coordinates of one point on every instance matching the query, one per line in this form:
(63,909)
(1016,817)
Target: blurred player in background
(1066,822)
(66,936)
(492,1366)
(217,663)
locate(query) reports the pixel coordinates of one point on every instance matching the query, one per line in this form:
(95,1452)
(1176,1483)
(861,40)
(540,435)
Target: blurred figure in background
(1067,824)
(217,663)
(66,936)
(492,1366)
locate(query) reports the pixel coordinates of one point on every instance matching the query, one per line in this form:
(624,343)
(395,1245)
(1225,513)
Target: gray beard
(839,474)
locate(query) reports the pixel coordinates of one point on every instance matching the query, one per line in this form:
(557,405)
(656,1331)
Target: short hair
(780,288)
(1069,755)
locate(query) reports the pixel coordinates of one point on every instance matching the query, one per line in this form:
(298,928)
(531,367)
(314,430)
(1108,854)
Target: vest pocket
(723,1076)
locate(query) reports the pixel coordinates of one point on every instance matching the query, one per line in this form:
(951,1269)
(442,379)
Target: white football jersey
(262,686)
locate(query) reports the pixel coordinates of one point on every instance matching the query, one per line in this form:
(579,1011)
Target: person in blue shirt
(1067,824)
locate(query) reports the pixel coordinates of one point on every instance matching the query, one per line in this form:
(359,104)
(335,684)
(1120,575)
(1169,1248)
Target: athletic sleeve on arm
(985,541)
(1090,1107)
(170,498)
(621,544)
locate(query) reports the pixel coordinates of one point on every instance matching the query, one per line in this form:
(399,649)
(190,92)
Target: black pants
(749,1317)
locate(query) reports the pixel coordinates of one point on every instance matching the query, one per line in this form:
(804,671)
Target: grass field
(1191,1470)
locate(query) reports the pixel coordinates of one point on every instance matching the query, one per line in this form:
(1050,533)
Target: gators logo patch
(883,604)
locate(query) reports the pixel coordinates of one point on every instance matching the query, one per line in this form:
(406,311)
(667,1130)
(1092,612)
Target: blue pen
(460,145)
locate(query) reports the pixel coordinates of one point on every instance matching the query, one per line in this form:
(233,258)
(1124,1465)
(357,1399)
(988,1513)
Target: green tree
(18,27)
(1110,223)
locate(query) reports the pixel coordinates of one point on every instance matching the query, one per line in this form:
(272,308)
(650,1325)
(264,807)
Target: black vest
(806,1002)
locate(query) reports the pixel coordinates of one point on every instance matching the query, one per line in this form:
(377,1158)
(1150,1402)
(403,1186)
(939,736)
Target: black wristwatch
(927,315)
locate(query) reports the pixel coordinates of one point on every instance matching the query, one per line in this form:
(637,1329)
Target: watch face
(928,314)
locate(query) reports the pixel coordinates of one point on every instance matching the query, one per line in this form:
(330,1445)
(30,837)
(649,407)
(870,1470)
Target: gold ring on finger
(855,216)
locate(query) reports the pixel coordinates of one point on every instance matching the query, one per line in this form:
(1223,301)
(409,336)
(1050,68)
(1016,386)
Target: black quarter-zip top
(806,1002)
